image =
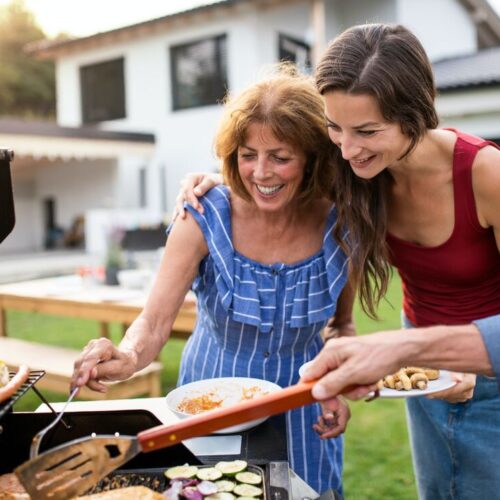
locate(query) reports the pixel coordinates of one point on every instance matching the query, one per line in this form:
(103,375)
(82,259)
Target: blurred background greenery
(377,455)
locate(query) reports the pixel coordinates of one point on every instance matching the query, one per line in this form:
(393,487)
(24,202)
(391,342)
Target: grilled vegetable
(248,478)
(209,474)
(231,468)
(248,490)
(222,495)
(225,485)
(208,488)
(181,472)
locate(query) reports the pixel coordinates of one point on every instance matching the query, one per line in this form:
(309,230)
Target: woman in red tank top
(427,201)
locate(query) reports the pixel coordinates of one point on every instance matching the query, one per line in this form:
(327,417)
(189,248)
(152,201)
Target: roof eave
(486,19)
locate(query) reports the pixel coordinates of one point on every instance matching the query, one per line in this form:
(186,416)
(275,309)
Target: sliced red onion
(174,491)
(192,493)
(207,488)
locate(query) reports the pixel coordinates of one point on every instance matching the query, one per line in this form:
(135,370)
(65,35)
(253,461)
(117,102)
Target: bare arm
(184,251)
(101,360)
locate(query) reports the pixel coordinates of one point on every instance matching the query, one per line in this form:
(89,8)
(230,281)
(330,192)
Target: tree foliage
(27,85)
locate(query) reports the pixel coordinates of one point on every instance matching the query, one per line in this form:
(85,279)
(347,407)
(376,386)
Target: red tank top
(458,281)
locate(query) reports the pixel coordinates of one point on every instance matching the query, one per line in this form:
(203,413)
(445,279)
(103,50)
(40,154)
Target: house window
(103,91)
(291,49)
(199,73)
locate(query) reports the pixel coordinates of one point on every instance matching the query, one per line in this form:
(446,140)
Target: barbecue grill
(264,447)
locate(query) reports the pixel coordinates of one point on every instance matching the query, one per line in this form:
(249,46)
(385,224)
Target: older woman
(263,262)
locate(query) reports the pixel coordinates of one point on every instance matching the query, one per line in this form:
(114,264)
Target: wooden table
(70,296)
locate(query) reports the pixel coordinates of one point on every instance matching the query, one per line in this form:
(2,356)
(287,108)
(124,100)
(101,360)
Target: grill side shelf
(34,377)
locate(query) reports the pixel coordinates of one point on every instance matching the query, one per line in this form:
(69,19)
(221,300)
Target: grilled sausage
(15,383)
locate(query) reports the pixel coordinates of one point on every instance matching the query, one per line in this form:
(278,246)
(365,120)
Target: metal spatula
(73,468)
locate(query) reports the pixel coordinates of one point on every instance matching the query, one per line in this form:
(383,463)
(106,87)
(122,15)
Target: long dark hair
(389,63)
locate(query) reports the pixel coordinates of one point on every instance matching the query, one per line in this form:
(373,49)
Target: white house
(137,107)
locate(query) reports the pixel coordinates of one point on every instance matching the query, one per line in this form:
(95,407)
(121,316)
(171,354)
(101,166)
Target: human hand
(192,187)
(354,361)
(101,361)
(333,422)
(459,393)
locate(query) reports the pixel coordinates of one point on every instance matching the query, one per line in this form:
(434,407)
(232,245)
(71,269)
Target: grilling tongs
(73,468)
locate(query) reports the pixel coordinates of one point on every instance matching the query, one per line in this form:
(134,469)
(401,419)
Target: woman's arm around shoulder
(193,186)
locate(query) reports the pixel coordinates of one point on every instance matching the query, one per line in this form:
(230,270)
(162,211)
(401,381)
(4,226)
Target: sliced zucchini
(231,468)
(225,485)
(245,498)
(248,478)
(247,490)
(181,471)
(209,474)
(222,495)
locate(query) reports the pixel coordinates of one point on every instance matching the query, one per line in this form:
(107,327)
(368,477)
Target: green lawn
(378,461)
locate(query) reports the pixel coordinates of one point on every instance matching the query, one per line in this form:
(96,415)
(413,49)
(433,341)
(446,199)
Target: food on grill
(132,492)
(231,468)
(224,485)
(209,474)
(217,398)
(248,490)
(408,378)
(248,478)
(239,480)
(222,495)
(15,383)
(11,488)
(4,374)
(181,471)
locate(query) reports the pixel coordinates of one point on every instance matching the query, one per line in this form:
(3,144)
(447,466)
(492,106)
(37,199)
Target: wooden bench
(57,362)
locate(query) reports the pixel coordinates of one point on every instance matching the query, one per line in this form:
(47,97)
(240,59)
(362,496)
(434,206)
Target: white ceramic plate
(229,390)
(443,382)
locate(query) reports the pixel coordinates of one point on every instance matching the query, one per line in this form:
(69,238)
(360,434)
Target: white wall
(443,26)
(26,232)
(476,112)
(77,186)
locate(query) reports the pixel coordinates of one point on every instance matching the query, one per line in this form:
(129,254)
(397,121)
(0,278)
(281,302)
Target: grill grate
(34,377)
(154,480)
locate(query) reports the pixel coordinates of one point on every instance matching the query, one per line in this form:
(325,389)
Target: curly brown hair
(388,63)
(289,104)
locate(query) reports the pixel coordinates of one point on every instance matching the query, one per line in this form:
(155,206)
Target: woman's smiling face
(271,170)
(356,125)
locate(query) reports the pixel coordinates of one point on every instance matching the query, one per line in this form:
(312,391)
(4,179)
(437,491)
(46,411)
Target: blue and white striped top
(264,321)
